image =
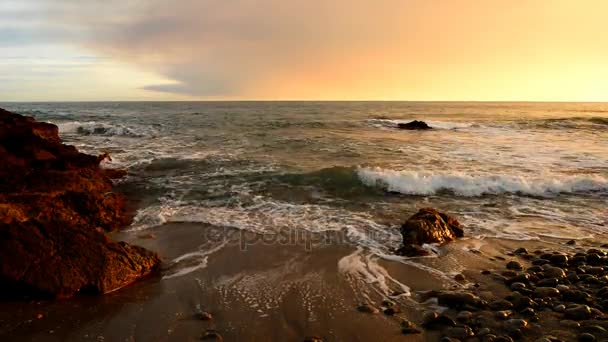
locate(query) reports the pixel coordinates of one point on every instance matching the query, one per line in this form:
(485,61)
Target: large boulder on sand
(55,204)
(414,125)
(428,226)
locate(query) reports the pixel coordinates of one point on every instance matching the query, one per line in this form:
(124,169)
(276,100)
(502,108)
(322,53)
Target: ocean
(512,172)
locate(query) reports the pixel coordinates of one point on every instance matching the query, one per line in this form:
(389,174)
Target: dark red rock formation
(55,204)
(414,125)
(428,226)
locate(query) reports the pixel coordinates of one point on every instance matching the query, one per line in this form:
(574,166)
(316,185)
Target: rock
(459,277)
(554,272)
(500,305)
(514,324)
(458,299)
(430,226)
(313,339)
(521,250)
(435,321)
(514,265)
(414,125)
(391,311)
(559,259)
(212,335)
(408,327)
(503,338)
(412,251)
(586,337)
(559,308)
(544,292)
(518,286)
(549,282)
(203,316)
(503,314)
(578,312)
(55,204)
(464,316)
(571,242)
(366,308)
(461,333)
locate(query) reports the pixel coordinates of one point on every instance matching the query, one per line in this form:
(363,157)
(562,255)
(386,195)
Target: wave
(430,183)
(102,129)
(599,121)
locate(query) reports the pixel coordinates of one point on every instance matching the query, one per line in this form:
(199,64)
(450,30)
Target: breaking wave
(102,129)
(461,184)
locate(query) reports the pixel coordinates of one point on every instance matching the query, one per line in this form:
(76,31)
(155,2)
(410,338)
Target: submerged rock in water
(55,204)
(428,226)
(414,125)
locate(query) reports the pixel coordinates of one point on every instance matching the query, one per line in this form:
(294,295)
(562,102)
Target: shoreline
(289,291)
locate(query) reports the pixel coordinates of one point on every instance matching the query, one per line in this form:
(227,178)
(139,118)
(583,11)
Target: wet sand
(260,289)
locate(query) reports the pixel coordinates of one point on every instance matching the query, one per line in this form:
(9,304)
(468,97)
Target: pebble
(549,282)
(408,327)
(461,333)
(571,242)
(483,332)
(516,323)
(503,314)
(434,320)
(391,311)
(521,250)
(540,262)
(559,308)
(458,299)
(312,339)
(366,308)
(503,338)
(203,316)
(554,272)
(212,335)
(464,316)
(559,259)
(514,265)
(544,292)
(586,337)
(459,277)
(516,286)
(578,312)
(500,305)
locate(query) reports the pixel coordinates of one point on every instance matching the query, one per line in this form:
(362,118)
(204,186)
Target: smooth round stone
(555,272)
(559,259)
(521,250)
(459,277)
(593,329)
(514,265)
(503,314)
(578,312)
(528,312)
(489,338)
(464,316)
(500,305)
(518,286)
(483,332)
(568,323)
(503,338)
(578,260)
(571,242)
(534,269)
(516,323)
(434,320)
(408,327)
(544,292)
(460,332)
(596,270)
(586,337)
(559,308)
(212,335)
(593,258)
(203,316)
(539,262)
(562,287)
(549,282)
(366,308)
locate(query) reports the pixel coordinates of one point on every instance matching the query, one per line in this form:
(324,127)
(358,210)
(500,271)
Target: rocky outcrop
(414,125)
(55,205)
(428,226)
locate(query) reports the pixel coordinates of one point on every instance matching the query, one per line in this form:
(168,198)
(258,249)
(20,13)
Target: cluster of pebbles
(539,296)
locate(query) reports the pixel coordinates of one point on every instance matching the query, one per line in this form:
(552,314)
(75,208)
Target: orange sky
(526,50)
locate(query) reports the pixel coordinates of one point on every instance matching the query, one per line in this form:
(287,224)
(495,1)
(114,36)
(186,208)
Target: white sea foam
(364,267)
(102,128)
(190,262)
(469,185)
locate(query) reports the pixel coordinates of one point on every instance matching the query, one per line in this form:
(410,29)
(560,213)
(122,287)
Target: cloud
(318,48)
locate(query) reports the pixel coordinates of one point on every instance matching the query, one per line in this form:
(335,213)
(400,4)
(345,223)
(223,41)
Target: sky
(417,50)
